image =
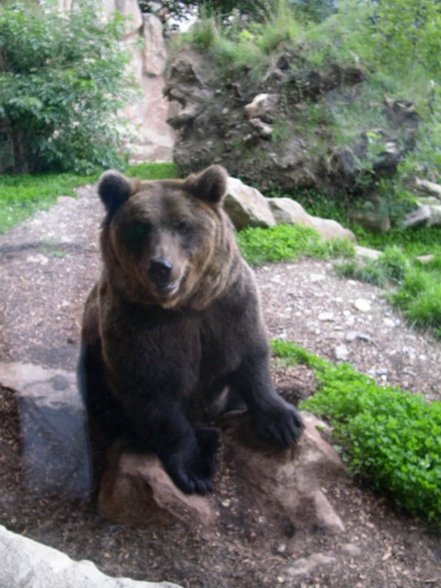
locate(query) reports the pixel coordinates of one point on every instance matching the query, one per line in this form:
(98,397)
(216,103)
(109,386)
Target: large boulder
(24,563)
(284,485)
(55,444)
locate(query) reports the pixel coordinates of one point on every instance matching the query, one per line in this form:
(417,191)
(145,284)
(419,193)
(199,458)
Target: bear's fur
(175,316)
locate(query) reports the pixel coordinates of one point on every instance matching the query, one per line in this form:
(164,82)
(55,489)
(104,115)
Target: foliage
(22,195)
(390,437)
(287,243)
(62,83)
(417,286)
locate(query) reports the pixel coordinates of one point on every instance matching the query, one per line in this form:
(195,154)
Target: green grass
(288,243)
(416,286)
(22,195)
(388,436)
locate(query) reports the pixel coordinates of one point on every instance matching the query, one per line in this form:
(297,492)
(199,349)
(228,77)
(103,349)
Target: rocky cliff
(279,131)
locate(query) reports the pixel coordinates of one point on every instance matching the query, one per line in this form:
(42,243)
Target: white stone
(362,305)
(24,563)
(326,316)
(341,353)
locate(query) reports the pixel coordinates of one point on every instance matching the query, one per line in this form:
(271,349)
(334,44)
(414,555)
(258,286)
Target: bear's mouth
(166,289)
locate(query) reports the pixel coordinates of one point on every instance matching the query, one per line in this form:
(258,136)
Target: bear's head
(167,242)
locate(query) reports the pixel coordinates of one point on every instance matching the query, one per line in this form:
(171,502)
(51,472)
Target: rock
(341,353)
(287,211)
(362,305)
(429,187)
(135,489)
(326,316)
(427,213)
(24,563)
(155,51)
(306,565)
(418,217)
(247,207)
(367,253)
(263,106)
(286,483)
(56,455)
(131,13)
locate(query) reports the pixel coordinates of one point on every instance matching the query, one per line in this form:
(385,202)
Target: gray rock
(56,453)
(24,563)
(246,206)
(429,187)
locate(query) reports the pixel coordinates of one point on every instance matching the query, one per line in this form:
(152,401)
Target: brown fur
(176,315)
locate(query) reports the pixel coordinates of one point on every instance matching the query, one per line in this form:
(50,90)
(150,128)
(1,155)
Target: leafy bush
(391,437)
(287,243)
(62,83)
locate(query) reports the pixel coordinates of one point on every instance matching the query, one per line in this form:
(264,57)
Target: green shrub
(62,84)
(287,243)
(390,437)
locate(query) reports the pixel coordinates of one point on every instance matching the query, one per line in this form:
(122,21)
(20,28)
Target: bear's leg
(274,419)
(105,417)
(188,454)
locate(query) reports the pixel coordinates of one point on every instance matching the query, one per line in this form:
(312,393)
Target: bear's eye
(184,228)
(136,231)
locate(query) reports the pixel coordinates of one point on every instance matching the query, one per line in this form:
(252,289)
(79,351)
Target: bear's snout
(160,269)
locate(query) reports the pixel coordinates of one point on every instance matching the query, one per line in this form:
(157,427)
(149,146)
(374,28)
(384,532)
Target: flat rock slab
(24,563)
(284,485)
(56,453)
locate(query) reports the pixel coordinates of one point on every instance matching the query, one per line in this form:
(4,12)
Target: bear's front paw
(192,468)
(279,425)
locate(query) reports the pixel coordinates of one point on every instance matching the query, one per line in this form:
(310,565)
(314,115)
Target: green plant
(22,195)
(287,243)
(390,437)
(62,82)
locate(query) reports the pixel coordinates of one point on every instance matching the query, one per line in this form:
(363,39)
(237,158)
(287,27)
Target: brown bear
(175,316)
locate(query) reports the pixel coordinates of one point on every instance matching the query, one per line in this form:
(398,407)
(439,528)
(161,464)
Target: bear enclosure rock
(280,486)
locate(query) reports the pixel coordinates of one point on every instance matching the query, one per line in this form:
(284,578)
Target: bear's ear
(209,185)
(114,189)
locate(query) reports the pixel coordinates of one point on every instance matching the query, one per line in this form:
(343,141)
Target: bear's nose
(160,268)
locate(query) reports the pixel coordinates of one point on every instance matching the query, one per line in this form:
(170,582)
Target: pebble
(341,353)
(326,316)
(388,322)
(362,305)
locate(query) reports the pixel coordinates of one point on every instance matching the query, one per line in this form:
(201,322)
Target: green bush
(390,437)
(62,83)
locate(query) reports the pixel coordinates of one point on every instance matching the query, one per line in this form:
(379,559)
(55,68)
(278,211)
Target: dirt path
(47,266)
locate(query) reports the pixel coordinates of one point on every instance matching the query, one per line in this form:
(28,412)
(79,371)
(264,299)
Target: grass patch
(417,286)
(153,171)
(388,436)
(288,243)
(22,195)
